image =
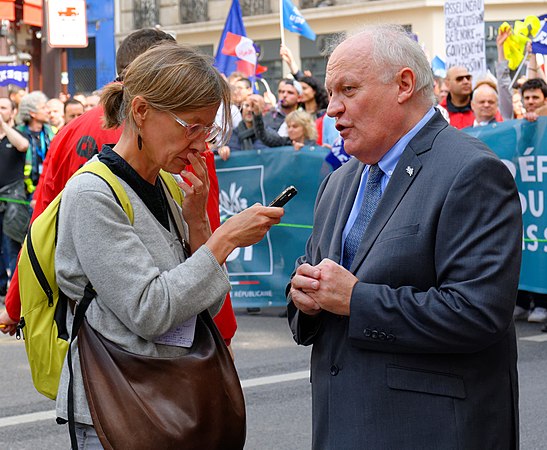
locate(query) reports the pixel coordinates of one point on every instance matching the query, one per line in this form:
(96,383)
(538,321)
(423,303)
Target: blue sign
(259,273)
(522,146)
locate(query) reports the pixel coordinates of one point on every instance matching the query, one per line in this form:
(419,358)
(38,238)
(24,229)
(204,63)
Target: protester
(16,94)
(33,117)
(288,93)
(244,136)
(13,147)
(73,109)
(168,102)
(56,110)
(410,318)
(82,139)
(81,97)
(301,129)
(484,103)
(504,88)
(534,97)
(458,100)
(92,100)
(314,97)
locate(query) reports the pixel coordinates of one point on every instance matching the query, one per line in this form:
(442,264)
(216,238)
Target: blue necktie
(371,198)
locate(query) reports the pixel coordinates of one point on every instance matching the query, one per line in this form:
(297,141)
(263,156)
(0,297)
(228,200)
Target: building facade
(200,23)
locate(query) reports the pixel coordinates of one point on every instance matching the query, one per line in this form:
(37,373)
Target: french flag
(243,48)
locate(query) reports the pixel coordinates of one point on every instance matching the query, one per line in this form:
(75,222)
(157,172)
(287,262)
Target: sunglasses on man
(463,77)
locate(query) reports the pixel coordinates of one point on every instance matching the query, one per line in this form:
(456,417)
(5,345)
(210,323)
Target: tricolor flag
(234,24)
(243,48)
(294,21)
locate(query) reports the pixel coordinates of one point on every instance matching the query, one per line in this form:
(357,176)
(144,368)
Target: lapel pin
(409,170)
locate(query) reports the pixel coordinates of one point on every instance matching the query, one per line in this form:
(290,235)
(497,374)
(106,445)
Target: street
(275,381)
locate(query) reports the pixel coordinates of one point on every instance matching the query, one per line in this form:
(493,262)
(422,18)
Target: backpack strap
(101,170)
(172,186)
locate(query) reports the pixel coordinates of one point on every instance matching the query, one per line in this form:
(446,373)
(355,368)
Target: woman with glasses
(147,283)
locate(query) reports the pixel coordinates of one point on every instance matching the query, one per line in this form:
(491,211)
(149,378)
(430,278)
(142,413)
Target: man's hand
(530,116)
(224,152)
(335,288)
(257,103)
(305,281)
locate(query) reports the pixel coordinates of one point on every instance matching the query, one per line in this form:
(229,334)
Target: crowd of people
(367,125)
(29,123)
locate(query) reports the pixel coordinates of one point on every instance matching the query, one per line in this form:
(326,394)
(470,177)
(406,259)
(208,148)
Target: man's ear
(406,80)
(139,109)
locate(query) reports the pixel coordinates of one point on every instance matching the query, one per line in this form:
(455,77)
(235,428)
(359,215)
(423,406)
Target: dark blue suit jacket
(427,357)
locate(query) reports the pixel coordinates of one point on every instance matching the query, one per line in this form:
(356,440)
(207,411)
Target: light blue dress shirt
(387,164)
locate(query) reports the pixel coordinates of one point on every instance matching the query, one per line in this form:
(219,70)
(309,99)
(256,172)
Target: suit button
(382,336)
(390,337)
(374,334)
(367,332)
(334,370)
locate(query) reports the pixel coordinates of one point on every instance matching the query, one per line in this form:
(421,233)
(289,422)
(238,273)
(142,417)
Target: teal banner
(259,273)
(522,146)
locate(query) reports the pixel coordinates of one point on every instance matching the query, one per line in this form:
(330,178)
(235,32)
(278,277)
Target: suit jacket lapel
(398,185)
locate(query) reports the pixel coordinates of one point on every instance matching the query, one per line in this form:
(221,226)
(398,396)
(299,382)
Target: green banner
(522,146)
(259,273)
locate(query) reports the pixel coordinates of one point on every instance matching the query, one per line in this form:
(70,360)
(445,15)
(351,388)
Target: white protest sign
(465,43)
(67,23)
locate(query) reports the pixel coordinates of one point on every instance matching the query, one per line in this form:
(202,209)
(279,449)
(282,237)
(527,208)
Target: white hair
(29,103)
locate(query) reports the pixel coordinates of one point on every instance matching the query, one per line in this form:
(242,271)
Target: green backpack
(43,304)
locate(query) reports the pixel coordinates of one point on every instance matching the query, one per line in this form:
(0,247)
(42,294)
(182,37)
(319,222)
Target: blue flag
(539,43)
(295,22)
(234,24)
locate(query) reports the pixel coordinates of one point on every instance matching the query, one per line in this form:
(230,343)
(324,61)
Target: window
(192,11)
(145,13)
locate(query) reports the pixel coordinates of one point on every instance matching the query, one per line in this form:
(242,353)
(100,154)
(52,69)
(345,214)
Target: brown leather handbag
(140,402)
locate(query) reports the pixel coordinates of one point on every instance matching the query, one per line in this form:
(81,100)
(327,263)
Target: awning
(32,12)
(7,10)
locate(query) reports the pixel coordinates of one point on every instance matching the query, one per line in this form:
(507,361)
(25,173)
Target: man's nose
(335,107)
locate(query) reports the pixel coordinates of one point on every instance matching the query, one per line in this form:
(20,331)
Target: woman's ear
(139,109)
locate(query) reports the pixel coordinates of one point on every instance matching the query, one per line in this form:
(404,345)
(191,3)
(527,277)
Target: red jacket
(71,148)
(460,117)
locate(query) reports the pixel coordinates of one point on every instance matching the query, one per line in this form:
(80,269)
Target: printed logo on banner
(241,187)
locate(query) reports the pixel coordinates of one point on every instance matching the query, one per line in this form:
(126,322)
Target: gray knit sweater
(144,286)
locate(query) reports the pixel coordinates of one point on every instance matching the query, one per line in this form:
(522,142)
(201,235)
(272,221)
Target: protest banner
(522,146)
(259,273)
(464,29)
(17,75)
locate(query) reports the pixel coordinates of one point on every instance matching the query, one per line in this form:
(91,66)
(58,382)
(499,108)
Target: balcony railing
(255,7)
(146,13)
(192,11)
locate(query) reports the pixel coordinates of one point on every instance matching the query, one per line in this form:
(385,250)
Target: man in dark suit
(411,319)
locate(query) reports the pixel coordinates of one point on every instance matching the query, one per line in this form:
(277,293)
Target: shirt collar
(391,158)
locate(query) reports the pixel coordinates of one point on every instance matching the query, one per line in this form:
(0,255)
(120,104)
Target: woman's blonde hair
(303,118)
(170,77)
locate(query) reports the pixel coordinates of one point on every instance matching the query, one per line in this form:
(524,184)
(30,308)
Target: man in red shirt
(458,101)
(75,144)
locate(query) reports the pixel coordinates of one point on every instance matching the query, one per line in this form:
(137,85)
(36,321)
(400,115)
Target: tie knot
(374,174)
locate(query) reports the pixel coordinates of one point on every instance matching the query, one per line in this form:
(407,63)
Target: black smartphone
(284,197)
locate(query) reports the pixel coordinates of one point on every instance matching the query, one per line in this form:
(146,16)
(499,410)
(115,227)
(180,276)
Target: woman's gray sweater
(144,286)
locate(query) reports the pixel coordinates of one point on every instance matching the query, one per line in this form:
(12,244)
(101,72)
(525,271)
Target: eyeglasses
(463,77)
(211,134)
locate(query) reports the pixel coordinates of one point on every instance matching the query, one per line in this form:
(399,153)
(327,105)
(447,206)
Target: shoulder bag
(141,402)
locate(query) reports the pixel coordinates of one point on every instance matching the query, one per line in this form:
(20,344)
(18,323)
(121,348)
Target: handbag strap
(79,315)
